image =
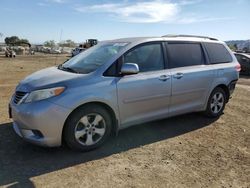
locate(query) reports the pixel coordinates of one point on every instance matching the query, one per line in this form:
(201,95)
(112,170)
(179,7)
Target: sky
(41,20)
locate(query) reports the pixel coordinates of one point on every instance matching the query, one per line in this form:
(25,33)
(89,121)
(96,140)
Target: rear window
(217,53)
(182,55)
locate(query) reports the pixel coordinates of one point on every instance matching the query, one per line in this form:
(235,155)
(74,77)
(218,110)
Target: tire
(87,128)
(216,103)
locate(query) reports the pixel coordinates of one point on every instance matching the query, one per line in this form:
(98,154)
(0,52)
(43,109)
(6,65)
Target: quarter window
(182,55)
(148,57)
(217,53)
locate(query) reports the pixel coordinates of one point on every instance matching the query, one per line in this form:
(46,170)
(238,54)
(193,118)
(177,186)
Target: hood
(49,77)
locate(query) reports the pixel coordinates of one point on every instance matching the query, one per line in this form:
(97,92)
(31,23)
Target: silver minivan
(123,82)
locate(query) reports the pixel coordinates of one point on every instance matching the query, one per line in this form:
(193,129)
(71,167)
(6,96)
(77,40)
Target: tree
(235,46)
(232,47)
(67,43)
(23,41)
(50,43)
(11,40)
(14,40)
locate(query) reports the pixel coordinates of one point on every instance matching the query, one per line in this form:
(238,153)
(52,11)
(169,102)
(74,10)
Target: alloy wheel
(217,102)
(90,129)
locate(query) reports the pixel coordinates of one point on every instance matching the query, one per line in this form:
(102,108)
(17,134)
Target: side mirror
(129,68)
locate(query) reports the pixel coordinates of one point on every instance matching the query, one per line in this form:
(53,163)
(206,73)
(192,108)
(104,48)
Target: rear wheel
(87,128)
(216,103)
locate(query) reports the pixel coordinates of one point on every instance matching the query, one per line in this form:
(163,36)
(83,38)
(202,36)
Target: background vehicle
(77,51)
(10,53)
(89,43)
(244,60)
(120,83)
(54,51)
(17,48)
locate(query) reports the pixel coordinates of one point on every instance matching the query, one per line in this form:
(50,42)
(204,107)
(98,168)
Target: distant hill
(241,44)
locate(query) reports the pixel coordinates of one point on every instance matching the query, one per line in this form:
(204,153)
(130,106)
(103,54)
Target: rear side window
(217,53)
(182,55)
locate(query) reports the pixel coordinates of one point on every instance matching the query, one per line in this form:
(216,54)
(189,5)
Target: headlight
(44,94)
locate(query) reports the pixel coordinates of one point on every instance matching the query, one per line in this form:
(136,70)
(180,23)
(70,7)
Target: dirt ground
(184,151)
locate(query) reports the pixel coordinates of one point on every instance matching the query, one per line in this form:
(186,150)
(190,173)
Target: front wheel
(216,103)
(87,128)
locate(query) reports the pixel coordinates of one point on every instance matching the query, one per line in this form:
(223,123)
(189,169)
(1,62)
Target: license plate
(10,112)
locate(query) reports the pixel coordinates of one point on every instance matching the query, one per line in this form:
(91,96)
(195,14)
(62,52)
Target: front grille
(18,96)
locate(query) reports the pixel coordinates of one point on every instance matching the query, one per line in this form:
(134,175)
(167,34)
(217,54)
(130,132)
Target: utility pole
(1,35)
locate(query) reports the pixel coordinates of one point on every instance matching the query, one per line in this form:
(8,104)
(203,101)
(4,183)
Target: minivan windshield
(91,59)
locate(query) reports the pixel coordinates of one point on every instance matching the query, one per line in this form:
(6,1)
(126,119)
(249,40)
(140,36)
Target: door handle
(178,75)
(164,77)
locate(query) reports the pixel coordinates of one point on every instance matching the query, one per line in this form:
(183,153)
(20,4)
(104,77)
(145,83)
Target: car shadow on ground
(20,161)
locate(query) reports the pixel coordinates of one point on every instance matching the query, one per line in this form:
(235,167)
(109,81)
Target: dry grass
(185,151)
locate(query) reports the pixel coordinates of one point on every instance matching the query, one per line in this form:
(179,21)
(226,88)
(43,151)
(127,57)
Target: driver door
(144,96)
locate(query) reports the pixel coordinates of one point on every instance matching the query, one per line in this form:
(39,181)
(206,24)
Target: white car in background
(53,51)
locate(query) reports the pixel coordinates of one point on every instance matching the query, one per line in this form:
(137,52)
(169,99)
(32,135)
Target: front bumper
(39,122)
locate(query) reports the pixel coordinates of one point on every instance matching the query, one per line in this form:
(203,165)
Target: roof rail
(197,36)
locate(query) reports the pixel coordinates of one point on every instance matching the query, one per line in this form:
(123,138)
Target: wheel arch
(225,89)
(101,104)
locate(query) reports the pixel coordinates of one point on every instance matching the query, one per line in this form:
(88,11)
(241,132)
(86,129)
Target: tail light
(238,67)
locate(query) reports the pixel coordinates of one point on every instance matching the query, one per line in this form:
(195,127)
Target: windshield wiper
(61,67)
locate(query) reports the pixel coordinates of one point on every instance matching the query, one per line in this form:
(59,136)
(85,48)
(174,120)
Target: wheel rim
(217,102)
(90,129)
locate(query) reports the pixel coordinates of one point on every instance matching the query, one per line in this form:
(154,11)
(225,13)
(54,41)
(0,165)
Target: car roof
(244,54)
(191,38)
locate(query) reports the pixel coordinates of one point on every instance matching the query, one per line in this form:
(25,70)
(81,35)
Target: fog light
(37,133)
